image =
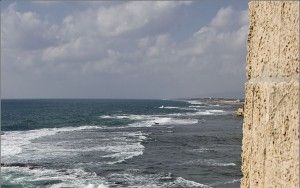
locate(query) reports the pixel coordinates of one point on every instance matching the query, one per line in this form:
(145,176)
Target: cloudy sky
(132,49)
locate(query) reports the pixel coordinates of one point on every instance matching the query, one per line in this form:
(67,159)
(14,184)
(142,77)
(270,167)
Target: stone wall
(271,120)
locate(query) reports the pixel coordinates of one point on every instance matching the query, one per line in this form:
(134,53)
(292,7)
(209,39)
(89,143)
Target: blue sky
(130,49)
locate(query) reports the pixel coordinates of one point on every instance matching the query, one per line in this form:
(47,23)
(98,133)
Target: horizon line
(103,98)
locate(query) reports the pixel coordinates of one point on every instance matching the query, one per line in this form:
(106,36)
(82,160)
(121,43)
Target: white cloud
(81,36)
(97,42)
(223,18)
(26,30)
(118,19)
(129,16)
(222,42)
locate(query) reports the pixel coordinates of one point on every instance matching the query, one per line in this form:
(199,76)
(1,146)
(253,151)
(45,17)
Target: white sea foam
(222,164)
(106,117)
(125,116)
(111,117)
(68,177)
(201,106)
(201,150)
(226,182)
(150,120)
(181,182)
(138,117)
(194,102)
(232,181)
(214,105)
(129,148)
(175,121)
(163,121)
(117,146)
(96,186)
(195,106)
(127,152)
(166,119)
(216,111)
(179,108)
(201,113)
(208,162)
(208,112)
(12,142)
(170,107)
(154,181)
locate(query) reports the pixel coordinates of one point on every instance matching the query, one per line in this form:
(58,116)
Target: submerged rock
(240,112)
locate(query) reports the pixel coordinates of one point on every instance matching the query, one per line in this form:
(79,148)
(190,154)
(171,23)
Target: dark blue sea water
(120,143)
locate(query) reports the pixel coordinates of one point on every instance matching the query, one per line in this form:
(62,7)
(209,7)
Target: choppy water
(120,143)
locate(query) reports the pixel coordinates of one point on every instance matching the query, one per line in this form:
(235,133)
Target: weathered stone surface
(271,113)
(273,41)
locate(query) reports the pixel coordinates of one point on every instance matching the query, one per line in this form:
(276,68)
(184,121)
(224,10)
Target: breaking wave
(194,102)
(59,178)
(208,162)
(163,121)
(117,146)
(150,120)
(12,142)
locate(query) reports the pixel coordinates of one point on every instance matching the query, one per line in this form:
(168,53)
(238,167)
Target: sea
(99,143)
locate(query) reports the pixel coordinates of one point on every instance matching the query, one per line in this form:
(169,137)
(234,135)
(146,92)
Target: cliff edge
(271,115)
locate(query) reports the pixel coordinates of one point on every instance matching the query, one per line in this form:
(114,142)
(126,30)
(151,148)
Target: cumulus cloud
(117,19)
(107,45)
(222,42)
(25,30)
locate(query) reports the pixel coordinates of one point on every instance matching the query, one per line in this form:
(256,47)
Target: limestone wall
(271,120)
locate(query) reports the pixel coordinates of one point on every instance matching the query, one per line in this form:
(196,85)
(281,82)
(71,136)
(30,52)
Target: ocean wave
(194,102)
(232,181)
(202,113)
(169,107)
(163,121)
(126,116)
(178,108)
(226,182)
(150,120)
(122,151)
(181,182)
(58,178)
(153,181)
(18,146)
(173,121)
(207,112)
(12,142)
(202,150)
(216,111)
(217,105)
(80,178)
(222,164)
(209,162)
(195,106)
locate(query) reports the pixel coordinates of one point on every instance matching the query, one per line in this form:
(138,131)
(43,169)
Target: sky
(123,49)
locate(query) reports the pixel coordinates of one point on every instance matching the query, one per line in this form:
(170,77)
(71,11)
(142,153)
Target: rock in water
(240,112)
